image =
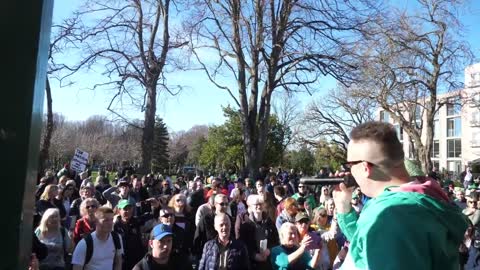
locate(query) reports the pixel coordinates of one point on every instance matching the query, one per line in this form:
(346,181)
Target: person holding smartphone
(408,223)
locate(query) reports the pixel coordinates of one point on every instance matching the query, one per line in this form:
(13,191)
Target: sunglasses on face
(167,215)
(91,206)
(349,164)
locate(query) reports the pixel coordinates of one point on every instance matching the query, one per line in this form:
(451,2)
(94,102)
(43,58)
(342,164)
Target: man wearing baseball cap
(123,188)
(160,242)
(129,227)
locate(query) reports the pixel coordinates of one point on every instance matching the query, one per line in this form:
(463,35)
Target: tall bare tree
(334,115)
(268,45)
(129,44)
(286,108)
(59,43)
(408,59)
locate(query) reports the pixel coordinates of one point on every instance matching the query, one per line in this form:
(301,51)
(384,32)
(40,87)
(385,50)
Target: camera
(348,180)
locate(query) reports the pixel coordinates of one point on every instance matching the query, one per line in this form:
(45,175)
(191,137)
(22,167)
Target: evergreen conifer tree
(160,154)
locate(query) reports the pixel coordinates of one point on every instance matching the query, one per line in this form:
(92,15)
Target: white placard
(79,161)
(263,244)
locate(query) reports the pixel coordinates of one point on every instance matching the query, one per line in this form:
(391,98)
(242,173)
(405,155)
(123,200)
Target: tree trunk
(249,144)
(49,130)
(425,155)
(149,127)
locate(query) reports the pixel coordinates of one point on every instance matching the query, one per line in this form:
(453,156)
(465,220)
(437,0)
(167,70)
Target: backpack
(89,243)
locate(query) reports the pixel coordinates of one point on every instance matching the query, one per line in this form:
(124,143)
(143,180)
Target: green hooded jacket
(404,230)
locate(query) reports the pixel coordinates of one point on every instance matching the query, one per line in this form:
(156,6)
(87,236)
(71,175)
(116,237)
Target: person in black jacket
(129,228)
(223,252)
(205,230)
(160,257)
(258,232)
(181,243)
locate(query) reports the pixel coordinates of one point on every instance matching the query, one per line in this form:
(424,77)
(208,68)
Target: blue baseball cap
(160,231)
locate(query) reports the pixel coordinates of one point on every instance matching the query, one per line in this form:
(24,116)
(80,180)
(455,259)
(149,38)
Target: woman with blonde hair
(328,231)
(56,238)
(292,254)
(181,210)
(46,201)
(184,217)
(86,224)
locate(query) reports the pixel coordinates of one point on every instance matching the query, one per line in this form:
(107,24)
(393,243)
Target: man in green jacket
(409,223)
(303,193)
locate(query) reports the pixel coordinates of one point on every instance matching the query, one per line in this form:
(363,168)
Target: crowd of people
(274,222)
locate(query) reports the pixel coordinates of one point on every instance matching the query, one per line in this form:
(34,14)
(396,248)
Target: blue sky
(200,103)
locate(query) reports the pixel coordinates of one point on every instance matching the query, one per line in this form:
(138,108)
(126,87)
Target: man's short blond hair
(102,211)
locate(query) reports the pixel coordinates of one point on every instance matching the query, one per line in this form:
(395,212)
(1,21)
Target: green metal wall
(24,46)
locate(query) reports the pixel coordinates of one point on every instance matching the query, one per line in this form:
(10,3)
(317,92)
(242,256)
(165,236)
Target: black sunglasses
(91,206)
(349,164)
(167,215)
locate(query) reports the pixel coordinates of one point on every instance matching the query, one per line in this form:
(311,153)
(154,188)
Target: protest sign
(79,161)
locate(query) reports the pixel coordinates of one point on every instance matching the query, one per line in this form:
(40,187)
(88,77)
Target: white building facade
(457,126)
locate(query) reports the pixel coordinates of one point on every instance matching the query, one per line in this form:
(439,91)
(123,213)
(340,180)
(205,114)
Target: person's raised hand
(342,196)
(306,241)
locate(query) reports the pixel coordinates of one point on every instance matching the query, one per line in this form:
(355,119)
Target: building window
(418,113)
(454,167)
(384,116)
(475,100)
(475,121)
(475,139)
(475,79)
(436,149)
(454,127)
(436,129)
(436,164)
(399,132)
(454,107)
(454,148)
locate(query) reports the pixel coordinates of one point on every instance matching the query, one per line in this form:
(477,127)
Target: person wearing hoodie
(288,214)
(407,224)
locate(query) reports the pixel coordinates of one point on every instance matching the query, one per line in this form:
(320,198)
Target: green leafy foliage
(301,160)
(223,149)
(160,156)
(328,155)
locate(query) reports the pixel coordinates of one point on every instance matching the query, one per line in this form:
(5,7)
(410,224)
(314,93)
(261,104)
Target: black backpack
(89,243)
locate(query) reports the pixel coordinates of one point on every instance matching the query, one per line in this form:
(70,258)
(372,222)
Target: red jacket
(82,227)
